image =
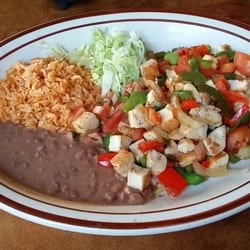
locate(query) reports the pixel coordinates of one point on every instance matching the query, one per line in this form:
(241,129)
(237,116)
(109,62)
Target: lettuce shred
(114,57)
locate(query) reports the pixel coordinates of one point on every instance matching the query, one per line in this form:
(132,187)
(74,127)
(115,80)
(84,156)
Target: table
(16,233)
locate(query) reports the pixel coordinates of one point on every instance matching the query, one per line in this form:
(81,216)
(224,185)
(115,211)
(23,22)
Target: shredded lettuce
(113,57)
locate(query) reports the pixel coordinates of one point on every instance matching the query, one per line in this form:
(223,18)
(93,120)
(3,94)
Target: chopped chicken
(117,142)
(153,100)
(185,145)
(138,117)
(152,135)
(122,162)
(219,160)
(139,177)
(172,149)
(156,161)
(86,122)
(169,122)
(135,150)
(216,141)
(149,69)
(240,85)
(196,133)
(208,114)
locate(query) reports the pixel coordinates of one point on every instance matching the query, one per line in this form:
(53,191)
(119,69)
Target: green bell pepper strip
(199,82)
(230,76)
(134,99)
(184,94)
(143,161)
(243,120)
(229,53)
(172,57)
(206,64)
(233,158)
(191,177)
(105,142)
(193,64)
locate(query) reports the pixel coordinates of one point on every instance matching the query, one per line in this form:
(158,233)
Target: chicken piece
(149,69)
(240,85)
(216,141)
(152,135)
(156,161)
(219,160)
(139,177)
(168,121)
(205,98)
(176,134)
(138,117)
(172,149)
(123,128)
(153,100)
(122,162)
(135,150)
(117,142)
(86,122)
(185,145)
(195,133)
(208,114)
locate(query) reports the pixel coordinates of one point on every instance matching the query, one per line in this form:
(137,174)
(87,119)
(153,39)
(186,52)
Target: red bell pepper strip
(110,125)
(105,112)
(189,104)
(231,96)
(172,181)
(149,145)
(237,116)
(105,158)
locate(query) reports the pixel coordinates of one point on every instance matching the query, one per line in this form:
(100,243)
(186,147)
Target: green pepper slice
(172,57)
(134,99)
(183,94)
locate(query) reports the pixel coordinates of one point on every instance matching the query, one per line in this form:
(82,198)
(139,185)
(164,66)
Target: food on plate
(157,122)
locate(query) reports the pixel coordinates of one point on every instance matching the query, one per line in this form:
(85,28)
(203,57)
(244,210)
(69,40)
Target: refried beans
(55,164)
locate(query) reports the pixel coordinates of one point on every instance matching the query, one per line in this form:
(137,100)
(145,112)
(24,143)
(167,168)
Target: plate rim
(231,206)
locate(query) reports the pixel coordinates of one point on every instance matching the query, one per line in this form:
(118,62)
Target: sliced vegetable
(134,99)
(233,158)
(110,125)
(182,64)
(104,159)
(229,53)
(143,161)
(191,177)
(105,112)
(205,64)
(189,104)
(172,181)
(184,94)
(172,57)
(193,64)
(106,141)
(242,62)
(209,172)
(199,81)
(149,145)
(237,139)
(136,133)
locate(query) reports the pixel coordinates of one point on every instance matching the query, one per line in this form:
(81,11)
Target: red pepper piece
(172,181)
(149,145)
(110,125)
(189,104)
(105,158)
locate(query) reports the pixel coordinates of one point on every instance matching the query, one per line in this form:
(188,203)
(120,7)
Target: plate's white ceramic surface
(213,200)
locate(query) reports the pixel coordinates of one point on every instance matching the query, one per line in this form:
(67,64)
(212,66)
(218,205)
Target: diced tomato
(110,125)
(242,62)
(149,145)
(76,112)
(162,66)
(105,112)
(205,164)
(208,72)
(182,64)
(203,49)
(136,133)
(189,104)
(223,59)
(227,68)
(232,96)
(172,181)
(238,138)
(104,159)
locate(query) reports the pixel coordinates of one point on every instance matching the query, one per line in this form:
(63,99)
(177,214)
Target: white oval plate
(211,201)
